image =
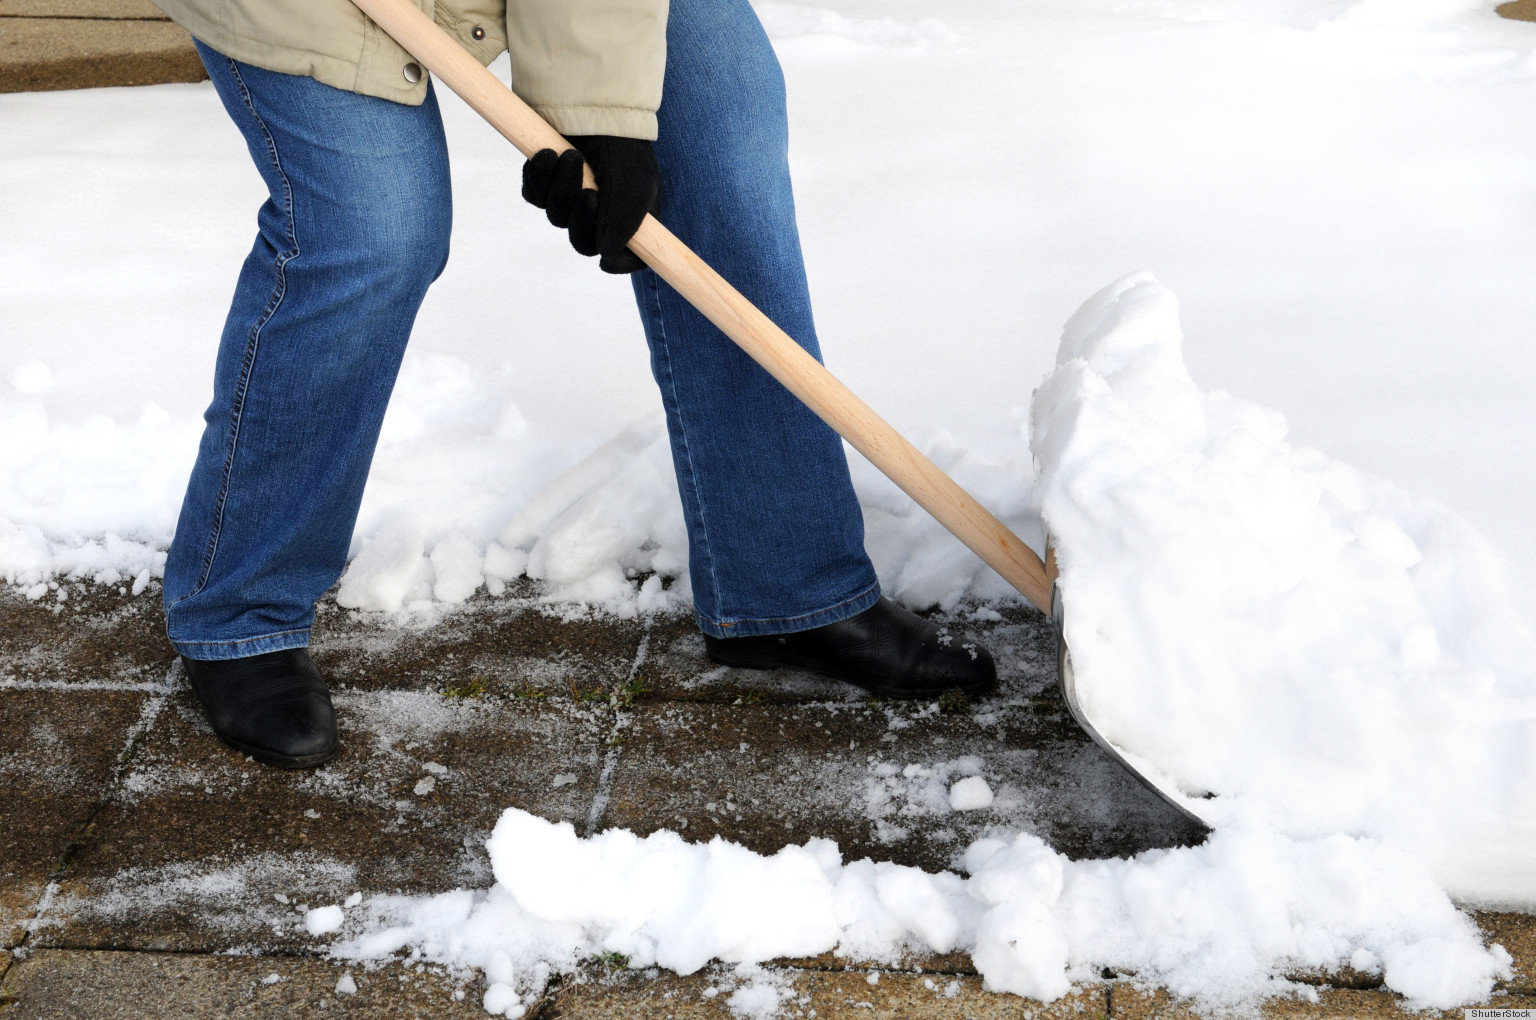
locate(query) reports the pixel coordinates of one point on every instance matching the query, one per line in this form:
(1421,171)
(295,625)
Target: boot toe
(966,666)
(274,707)
(295,732)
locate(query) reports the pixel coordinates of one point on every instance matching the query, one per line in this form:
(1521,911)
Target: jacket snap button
(412,72)
(478,32)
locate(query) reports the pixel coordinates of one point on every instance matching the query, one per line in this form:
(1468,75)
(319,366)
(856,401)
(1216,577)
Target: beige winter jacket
(591,67)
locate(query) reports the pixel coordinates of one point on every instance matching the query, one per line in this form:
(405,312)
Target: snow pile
(88,498)
(466,493)
(1214,922)
(1256,620)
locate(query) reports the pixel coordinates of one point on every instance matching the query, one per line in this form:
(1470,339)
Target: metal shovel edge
(1066,678)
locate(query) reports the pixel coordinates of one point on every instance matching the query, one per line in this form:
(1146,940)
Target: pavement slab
(201,849)
(823,994)
(98,635)
(136,10)
(58,755)
(493,646)
(1128,1002)
(1517,934)
(47,53)
(173,842)
(1518,10)
(875,777)
(53,984)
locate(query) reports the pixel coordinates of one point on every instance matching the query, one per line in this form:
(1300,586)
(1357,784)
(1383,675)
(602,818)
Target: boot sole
(283,761)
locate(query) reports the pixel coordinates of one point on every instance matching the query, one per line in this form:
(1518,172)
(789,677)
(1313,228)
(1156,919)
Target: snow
(1320,648)
(1337,191)
(324,920)
(1331,656)
(1333,187)
(970,794)
(502,999)
(1215,923)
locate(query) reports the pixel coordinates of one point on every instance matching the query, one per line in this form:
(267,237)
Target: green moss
(609,960)
(629,694)
(465,689)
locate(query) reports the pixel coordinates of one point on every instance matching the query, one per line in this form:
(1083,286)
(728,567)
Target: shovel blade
(1067,678)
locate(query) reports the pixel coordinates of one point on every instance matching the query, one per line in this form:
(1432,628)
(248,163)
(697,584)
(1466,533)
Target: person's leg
(776,536)
(354,229)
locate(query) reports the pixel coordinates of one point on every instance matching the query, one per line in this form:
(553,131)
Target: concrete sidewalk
(78,44)
(147,870)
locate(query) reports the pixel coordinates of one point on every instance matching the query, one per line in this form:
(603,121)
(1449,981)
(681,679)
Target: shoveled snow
(1343,742)
(1254,619)
(1215,922)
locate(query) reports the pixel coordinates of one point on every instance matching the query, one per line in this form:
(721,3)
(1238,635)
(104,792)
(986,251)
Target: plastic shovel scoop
(769,346)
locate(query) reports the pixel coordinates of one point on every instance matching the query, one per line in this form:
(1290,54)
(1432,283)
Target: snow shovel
(771,348)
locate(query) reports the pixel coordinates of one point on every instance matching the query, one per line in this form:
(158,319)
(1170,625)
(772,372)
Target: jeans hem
(241,648)
(791,624)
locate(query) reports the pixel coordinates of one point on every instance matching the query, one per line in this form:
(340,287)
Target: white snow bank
(1216,922)
(1257,150)
(464,495)
(1254,619)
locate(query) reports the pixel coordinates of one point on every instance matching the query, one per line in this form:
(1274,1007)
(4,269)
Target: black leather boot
(273,707)
(886,650)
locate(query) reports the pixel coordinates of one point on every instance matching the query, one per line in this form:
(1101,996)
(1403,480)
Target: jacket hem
(620,121)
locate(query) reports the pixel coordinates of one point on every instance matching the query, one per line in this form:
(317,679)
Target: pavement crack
(622,718)
(137,734)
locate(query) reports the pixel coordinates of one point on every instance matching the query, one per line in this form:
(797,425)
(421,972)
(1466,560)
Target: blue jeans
(354,231)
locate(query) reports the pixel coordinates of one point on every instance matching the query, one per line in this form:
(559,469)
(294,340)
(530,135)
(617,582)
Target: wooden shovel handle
(737,317)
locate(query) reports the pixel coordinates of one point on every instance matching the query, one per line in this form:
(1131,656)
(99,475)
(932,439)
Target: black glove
(600,222)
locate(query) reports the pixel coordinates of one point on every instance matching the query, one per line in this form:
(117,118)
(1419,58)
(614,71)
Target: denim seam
(803,616)
(248,640)
(248,364)
(682,439)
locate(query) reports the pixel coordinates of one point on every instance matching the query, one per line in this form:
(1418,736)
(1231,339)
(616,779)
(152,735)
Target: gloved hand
(600,222)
